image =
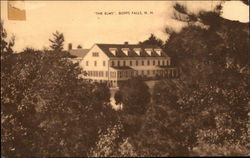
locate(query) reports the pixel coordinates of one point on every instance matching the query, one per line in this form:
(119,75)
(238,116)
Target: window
(95,54)
(148,62)
(124,63)
(95,63)
(112,63)
(100,73)
(107,74)
(126,74)
(136,73)
(142,72)
(148,72)
(87,63)
(104,63)
(118,63)
(142,62)
(153,62)
(131,63)
(159,62)
(136,63)
(112,74)
(163,62)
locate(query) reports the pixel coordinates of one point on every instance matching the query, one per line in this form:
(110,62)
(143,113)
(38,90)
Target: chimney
(70,46)
(126,43)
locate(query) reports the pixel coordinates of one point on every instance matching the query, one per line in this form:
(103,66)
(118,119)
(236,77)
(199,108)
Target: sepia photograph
(107,78)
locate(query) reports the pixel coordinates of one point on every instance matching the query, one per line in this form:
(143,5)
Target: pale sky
(81,25)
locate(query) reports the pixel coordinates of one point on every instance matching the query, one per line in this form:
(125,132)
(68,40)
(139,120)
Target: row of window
(121,74)
(95,63)
(97,73)
(134,63)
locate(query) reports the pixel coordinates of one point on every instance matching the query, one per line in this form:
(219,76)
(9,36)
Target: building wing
(79,52)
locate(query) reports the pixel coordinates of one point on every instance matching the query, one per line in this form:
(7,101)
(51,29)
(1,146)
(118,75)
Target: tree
(212,47)
(214,70)
(134,96)
(47,109)
(152,40)
(111,143)
(206,108)
(161,133)
(164,120)
(57,41)
(6,46)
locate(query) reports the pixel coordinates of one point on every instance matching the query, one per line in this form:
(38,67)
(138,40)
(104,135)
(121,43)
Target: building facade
(114,63)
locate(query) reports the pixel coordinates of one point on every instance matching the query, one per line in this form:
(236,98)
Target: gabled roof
(79,52)
(105,48)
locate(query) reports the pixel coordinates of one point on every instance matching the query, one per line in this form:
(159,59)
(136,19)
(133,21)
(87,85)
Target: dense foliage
(134,96)
(47,109)
(152,40)
(205,111)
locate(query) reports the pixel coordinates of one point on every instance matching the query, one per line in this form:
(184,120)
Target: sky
(85,22)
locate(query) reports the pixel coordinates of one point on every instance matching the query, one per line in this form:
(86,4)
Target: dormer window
(149,51)
(137,51)
(113,51)
(158,51)
(125,51)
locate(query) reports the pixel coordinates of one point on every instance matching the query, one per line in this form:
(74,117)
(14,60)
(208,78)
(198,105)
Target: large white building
(113,63)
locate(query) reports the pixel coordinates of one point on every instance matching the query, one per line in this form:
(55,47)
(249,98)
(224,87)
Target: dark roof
(78,52)
(121,67)
(131,53)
